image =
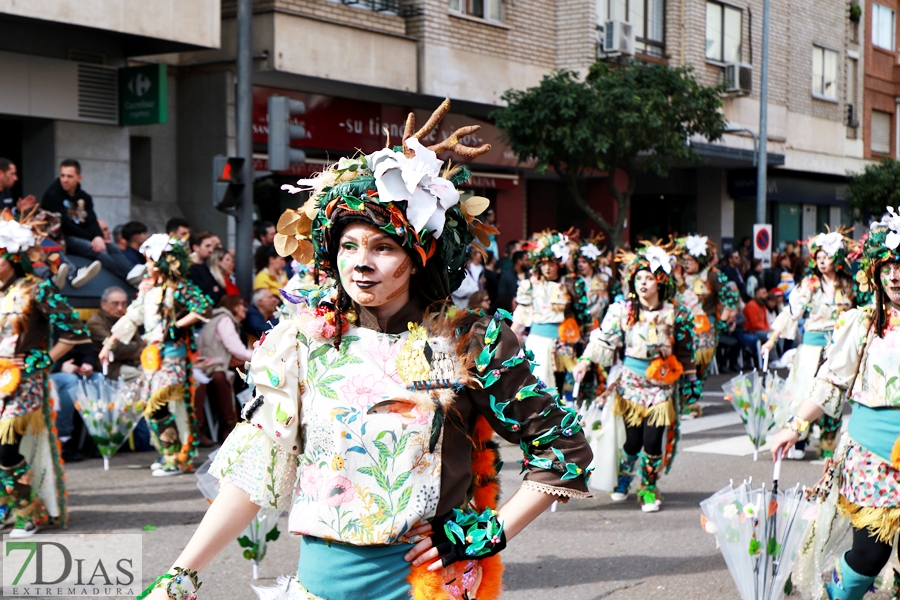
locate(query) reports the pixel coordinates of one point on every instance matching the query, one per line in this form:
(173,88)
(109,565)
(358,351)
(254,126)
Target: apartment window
(724,32)
(883,26)
(881,132)
(485,9)
(824,73)
(647,17)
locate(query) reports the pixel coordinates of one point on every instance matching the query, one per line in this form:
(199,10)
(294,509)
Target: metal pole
(243,272)
(761,162)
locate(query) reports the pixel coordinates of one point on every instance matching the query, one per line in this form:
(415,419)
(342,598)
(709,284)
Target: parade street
(588,549)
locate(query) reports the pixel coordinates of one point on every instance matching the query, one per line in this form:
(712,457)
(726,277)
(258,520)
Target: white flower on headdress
(696,244)
(416,181)
(561,249)
(155,245)
(590,251)
(657,257)
(892,222)
(831,243)
(15,237)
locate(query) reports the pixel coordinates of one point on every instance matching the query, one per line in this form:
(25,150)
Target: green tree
(633,118)
(870,192)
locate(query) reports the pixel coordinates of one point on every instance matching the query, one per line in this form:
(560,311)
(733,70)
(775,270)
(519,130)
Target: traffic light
(228,182)
(281,132)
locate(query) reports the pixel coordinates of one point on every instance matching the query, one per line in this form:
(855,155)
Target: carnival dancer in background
(657,373)
(826,291)
(168,306)
(32,491)
(861,365)
(545,306)
(391,426)
(591,299)
(705,291)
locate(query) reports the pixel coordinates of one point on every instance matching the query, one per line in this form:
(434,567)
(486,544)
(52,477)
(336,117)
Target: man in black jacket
(79,222)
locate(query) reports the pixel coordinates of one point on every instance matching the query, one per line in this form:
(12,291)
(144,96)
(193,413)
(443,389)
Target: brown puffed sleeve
(525,412)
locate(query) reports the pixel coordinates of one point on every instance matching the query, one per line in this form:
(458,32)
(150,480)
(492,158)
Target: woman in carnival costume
(385,407)
(826,291)
(658,373)
(544,305)
(32,490)
(861,364)
(592,293)
(168,306)
(704,290)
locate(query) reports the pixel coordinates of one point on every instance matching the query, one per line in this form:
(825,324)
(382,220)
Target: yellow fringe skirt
(21,412)
(660,415)
(883,523)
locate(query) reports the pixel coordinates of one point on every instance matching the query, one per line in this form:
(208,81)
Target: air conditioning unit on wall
(738,78)
(618,38)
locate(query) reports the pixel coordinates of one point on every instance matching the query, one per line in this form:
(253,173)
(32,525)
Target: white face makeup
(890,281)
(824,262)
(375,271)
(647,288)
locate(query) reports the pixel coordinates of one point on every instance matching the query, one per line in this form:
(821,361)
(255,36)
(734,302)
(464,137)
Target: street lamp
(734,128)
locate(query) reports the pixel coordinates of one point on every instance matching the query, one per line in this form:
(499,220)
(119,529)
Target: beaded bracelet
(177,577)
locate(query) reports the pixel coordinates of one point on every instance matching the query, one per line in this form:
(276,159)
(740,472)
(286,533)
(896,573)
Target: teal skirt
(337,571)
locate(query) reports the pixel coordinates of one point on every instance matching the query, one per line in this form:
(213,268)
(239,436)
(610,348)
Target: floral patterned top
(705,293)
(878,382)
(369,440)
(29,309)
(157,308)
(655,333)
(821,306)
(542,301)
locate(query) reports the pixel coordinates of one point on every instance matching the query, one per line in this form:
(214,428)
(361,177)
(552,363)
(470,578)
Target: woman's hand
(580,370)
(104,355)
(783,441)
(19,360)
(768,346)
(423,551)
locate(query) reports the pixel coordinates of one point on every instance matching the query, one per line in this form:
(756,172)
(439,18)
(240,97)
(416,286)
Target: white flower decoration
(155,245)
(590,251)
(416,181)
(14,237)
(730,511)
(831,243)
(561,249)
(696,244)
(658,258)
(892,240)
(892,222)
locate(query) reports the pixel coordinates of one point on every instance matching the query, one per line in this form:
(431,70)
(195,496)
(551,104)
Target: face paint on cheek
(342,265)
(402,268)
(365,297)
(396,292)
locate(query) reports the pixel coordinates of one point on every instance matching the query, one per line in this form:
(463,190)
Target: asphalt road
(588,549)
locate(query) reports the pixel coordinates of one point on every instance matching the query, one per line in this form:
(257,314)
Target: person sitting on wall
(134,233)
(126,358)
(261,312)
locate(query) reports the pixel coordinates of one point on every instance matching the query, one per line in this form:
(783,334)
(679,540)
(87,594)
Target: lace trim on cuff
(828,397)
(564,493)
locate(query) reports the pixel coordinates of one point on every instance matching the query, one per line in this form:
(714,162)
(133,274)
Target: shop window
(647,17)
(491,10)
(824,73)
(883,26)
(724,32)
(881,132)
(787,224)
(141,168)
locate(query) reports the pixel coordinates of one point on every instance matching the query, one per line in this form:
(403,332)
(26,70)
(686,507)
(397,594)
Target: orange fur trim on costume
(895,454)
(491,578)
(701,323)
(665,370)
(569,331)
(430,585)
(426,585)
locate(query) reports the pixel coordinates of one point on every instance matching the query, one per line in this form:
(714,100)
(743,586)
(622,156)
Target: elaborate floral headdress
(407,192)
(837,245)
(879,245)
(169,255)
(591,250)
(699,247)
(20,241)
(658,259)
(548,245)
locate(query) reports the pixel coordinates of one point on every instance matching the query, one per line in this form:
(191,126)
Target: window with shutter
(881,132)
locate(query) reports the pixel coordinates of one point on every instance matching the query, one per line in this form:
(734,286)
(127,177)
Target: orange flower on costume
(569,332)
(10,376)
(150,358)
(701,323)
(665,370)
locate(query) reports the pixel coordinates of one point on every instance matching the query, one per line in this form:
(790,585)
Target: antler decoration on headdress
(452,143)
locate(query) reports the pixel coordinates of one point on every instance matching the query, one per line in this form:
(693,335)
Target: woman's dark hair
(262,256)
(231,303)
(662,291)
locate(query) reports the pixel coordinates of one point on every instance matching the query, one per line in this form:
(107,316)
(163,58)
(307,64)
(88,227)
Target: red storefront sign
(346,126)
